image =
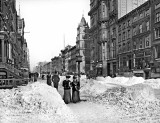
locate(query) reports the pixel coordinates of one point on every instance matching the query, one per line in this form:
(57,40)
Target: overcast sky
(48,21)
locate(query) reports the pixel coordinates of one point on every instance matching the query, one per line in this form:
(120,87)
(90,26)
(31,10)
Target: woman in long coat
(75,90)
(49,79)
(67,90)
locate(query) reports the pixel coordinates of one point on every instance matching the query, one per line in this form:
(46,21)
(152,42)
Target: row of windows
(140,44)
(141,15)
(124,47)
(125,35)
(128,23)
(141,28)
(124,25)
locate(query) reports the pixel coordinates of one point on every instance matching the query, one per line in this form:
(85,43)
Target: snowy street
(85,112)
(111,100)
(88,112)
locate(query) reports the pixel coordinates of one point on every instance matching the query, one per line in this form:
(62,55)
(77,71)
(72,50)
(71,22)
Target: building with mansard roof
(83,45)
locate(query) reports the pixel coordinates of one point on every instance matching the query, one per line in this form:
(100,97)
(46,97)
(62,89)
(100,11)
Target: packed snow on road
(111,100)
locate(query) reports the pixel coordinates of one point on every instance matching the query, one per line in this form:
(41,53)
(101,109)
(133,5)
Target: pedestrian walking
(55,80)
(30,75)
(67,90)
(36,76)
(42,76)
(49,79)
(75,90)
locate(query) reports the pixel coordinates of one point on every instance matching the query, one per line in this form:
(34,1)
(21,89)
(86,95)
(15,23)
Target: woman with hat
(75,90)
(67,90)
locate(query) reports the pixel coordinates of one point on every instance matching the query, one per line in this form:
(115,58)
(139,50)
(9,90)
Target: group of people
(55,79)
(67,85)
(33,77)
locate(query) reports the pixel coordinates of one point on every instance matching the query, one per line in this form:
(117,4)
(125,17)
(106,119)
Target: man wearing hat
(67,90)
(55,80)
(49,79)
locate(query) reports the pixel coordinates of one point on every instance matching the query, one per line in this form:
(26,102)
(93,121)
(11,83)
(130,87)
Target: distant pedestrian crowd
(67,85)
(33,77)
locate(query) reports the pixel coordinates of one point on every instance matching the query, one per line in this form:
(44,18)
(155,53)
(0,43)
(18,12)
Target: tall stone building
(83,45)
(95,48)
(134,41)
(103,28)
(11,48)
(125,45)
(22,44)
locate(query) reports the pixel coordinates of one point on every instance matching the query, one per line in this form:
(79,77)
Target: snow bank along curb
(37,99)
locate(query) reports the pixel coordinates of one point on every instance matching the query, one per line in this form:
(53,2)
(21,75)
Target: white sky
(48,21)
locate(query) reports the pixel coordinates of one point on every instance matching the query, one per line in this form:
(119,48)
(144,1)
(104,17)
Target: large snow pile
(38,103)
(121,80)
(154,83)
(134,97)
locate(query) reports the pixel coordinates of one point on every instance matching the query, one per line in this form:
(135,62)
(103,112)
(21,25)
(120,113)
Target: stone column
(104,59)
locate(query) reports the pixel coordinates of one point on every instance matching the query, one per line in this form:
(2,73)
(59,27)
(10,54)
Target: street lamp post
(79,60)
